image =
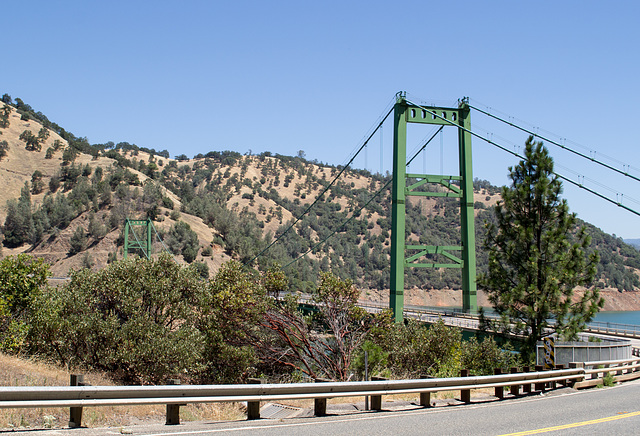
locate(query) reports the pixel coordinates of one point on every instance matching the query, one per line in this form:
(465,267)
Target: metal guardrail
(76,397)
(611,328)
(624,369)
(456,318)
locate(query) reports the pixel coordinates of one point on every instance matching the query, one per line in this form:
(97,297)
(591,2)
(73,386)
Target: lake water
(627,317)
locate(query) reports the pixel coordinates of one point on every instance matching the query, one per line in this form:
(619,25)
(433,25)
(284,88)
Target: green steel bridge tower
(140,245)
(408,256)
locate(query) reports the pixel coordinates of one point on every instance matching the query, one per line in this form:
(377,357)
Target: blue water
(628,317)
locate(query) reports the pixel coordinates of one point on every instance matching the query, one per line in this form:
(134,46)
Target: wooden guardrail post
(173,410)
(376,400)
(253,407)
(465,394)
(515,389)
(554,385)
(526,387)
(539,387)
(425,397)
(604,373)
(498,390)
(75,413)
(320,404)
(576,365)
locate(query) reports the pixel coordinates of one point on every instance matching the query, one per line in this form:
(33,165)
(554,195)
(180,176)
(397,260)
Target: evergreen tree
(537,256)
(78,241)
(32,143)
(4,116)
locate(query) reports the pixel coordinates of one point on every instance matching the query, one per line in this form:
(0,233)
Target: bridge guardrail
(624,330)
(624,369)
(176,395)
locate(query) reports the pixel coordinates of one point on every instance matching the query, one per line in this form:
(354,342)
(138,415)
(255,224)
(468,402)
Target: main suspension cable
(564,168)
(325,189)
(522,157)
(538,135)
(341,226)
(357,212)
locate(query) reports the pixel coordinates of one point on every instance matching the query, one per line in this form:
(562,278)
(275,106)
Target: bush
(134,319)
(21,279)
(182,240)
(78,241)
(202,269)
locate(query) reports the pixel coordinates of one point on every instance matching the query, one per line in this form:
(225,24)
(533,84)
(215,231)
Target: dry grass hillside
(19,164)
(251,185)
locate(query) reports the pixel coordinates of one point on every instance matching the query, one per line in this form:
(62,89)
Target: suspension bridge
(405,111)
(405,184)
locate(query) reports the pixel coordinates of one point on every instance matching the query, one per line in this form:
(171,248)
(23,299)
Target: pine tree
(537,256)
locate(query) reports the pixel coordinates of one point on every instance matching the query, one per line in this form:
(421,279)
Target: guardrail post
(515,389)
(173,410)
(75,413)
(425,397)
(465,394)
(320,404)
(498,390)
(554,385)
(376,400)
(253,407)
(576,365)
(604,373)
(539,387)
(620,371)
(526,388)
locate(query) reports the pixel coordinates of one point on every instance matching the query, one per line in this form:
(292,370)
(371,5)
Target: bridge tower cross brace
(404,113)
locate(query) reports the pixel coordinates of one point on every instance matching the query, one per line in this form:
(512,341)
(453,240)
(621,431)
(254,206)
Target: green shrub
(134,319)
(21,279)
(608,380)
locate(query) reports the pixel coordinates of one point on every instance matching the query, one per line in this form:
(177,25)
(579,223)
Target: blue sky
(283,76)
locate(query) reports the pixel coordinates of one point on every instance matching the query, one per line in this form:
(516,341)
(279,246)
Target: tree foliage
(537,256)
(4,116)
(22,277)
(32,142)
(134,319)
(182,240)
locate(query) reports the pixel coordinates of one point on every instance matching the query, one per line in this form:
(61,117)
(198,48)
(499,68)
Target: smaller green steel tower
(139,244)
(407,256)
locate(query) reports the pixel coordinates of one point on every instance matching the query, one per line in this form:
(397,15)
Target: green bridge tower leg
(405,112)
(396,297)
(467,217)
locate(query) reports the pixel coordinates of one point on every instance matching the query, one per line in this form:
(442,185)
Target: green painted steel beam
(396,297)
(433,249)
(467,217)
(435,265)
(434,194)
(417,114)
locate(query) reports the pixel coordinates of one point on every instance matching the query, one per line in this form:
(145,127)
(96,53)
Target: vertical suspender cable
(381,151)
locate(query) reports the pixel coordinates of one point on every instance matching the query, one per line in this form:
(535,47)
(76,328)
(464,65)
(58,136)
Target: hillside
(224,205)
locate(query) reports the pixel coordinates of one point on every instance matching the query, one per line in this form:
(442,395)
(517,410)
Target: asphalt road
(613,411)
